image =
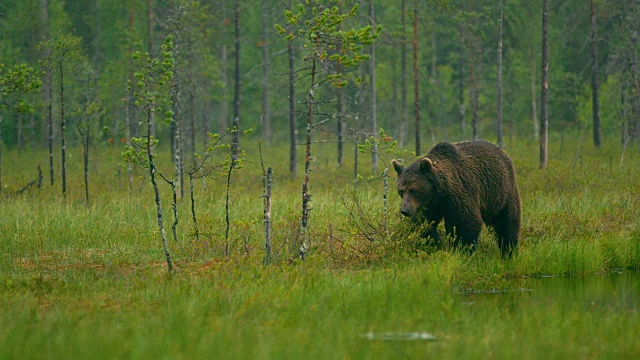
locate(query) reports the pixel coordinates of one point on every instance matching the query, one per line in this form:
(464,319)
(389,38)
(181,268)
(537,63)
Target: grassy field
(90,281)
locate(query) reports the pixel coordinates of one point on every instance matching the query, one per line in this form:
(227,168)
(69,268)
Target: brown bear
(465,184)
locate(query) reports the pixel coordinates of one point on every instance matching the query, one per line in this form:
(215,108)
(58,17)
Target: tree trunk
(293,131)
(150,50)
(19,137)
(63,127)
(48,85)
(224,103)
(152,174)
(372,69)
(534,102)
(85,154)
(267,218)
(544,97)
(594,77)
(150,28)
(461,110)
(499,75)
(340,129)
(191,101)
(193,208)
(266,106)
(416,88)
(49,80)
(0,153)
(128,124)
(473,89)
(403,76)
(306,197)
(178,143)
(129,99)
(236,93)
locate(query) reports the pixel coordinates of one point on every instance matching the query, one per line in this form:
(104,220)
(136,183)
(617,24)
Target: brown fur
(465,184)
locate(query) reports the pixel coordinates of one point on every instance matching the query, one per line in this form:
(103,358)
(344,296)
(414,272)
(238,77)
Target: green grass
(90,281)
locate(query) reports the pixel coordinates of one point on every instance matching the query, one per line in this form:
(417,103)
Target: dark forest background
(82,50)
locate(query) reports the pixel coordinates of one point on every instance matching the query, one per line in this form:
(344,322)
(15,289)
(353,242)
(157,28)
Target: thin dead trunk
(267,218)
(232,164)
(174,206)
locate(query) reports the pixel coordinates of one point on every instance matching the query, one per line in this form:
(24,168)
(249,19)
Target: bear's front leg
(466,233)
(432,232)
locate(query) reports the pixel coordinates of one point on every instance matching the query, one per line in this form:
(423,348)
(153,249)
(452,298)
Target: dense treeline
(82,51)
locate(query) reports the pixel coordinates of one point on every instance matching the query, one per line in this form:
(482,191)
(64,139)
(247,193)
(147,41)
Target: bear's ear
(397,166)
(426,165)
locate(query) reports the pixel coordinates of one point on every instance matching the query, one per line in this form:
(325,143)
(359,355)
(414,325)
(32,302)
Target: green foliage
(385,146)
(318,25)
(211,164)
(152,92)
(14,84)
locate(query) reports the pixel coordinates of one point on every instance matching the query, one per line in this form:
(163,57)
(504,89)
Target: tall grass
(89,281)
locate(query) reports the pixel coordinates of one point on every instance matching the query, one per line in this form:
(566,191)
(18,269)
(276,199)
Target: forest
(213,178)
(451,69)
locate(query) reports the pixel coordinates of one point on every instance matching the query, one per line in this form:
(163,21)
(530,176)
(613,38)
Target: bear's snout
(406,212)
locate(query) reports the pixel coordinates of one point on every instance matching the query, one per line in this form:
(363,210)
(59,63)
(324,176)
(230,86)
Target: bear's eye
(401,193)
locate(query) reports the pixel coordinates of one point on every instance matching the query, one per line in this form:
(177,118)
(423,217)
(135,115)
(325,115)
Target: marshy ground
(90,281)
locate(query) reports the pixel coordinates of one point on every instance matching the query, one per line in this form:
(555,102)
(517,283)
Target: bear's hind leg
(507,228)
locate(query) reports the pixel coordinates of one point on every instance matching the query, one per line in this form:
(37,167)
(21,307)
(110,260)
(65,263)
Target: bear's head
(416,185)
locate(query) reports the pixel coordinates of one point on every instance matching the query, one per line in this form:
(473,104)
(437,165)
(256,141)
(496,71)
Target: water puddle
(398,336)
(619,288)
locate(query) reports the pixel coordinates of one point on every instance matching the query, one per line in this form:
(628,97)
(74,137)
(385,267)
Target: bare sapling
(153,96)
(267,218)
(89,111)
(37,182)
(65,57)
(266,196)
(206,166)
(384,146)
(326,48)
